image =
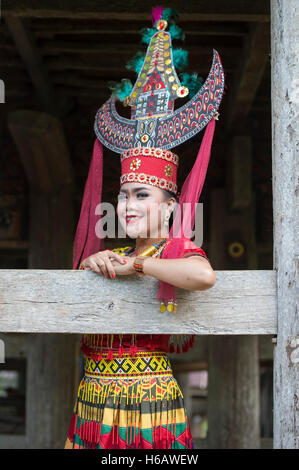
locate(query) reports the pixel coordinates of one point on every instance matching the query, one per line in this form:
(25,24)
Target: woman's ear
(171,203)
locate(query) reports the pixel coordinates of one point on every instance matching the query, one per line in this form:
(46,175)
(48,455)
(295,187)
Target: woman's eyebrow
(134,190)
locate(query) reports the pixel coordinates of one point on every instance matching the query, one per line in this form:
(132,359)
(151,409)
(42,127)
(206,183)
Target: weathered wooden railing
(66,301)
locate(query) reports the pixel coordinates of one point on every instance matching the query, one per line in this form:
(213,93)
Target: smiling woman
(128,397)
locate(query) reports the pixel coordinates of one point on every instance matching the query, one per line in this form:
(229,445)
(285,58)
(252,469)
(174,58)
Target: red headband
(153,166)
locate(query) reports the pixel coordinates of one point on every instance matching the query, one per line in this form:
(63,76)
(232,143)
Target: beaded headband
(137,165)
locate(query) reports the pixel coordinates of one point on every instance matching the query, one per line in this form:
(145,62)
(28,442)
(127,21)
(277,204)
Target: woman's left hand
(124,269)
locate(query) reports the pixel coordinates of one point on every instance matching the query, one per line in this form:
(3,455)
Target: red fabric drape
(184,219)
(86,240)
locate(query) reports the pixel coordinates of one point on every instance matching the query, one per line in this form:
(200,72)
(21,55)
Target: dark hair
(170,194)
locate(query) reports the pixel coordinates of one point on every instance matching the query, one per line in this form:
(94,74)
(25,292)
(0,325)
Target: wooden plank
(67,301)
(285,131)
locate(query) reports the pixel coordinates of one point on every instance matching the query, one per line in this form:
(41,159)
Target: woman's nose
(131,202)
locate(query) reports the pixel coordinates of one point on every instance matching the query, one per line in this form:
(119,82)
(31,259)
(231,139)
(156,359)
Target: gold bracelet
(138,264)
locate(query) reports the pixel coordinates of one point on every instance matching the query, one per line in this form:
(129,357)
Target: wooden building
(55,61)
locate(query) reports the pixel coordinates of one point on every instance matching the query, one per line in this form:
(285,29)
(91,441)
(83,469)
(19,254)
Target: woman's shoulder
(185,247)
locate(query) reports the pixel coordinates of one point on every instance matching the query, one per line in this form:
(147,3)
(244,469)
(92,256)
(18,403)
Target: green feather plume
(180,58)
(136,62)
(147,34)
(176,32)
(170,15)
(121,90)
(192,82)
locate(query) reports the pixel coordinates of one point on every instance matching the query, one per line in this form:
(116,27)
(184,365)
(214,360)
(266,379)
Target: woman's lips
(132,218)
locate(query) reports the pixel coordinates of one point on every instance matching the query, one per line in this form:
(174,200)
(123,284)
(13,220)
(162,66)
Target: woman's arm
(192,273)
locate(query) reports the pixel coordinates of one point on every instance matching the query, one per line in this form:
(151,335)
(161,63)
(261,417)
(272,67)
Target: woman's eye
(123,196)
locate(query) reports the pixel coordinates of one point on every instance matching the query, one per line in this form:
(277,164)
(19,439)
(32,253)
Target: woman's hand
(105,262)
(125,269)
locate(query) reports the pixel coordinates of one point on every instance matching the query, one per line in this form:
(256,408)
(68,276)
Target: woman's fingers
(96,266)
(101,262)
(110,268)
(116,256)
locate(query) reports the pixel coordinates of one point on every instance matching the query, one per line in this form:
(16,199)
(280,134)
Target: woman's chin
(132,232)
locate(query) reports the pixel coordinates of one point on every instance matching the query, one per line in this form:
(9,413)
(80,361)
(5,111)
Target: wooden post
(51,379)
(285,98)
(233,366)
(233,392)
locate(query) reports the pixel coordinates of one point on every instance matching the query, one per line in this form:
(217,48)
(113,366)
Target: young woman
(128,397)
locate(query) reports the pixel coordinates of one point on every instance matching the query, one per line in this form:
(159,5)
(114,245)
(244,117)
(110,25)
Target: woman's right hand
(101,264)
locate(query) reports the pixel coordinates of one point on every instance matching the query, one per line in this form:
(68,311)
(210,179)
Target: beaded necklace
(154,250)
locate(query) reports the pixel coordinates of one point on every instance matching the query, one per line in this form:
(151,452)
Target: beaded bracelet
(138,264)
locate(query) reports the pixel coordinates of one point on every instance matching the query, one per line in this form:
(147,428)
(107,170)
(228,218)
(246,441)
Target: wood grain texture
(285,135)
(67,301)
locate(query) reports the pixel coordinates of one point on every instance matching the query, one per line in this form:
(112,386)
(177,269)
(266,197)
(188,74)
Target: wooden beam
(19,30)
(72,47)
(249,74)
(285,134)
(91,9)
(74,29)
(66,301)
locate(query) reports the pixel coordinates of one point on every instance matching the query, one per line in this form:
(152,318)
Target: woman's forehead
(133,187)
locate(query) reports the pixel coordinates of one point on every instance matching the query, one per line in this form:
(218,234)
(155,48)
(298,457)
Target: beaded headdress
(144,141)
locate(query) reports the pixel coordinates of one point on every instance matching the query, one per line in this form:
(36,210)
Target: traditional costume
(128,397)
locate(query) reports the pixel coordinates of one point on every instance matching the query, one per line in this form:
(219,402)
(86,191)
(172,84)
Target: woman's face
(141,210)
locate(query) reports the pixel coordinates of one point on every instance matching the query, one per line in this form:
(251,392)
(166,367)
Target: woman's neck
(144,243)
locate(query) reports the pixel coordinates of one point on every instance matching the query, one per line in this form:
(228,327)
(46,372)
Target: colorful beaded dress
(128,397)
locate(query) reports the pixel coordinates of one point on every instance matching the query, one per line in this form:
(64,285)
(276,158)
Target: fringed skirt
(130,403)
